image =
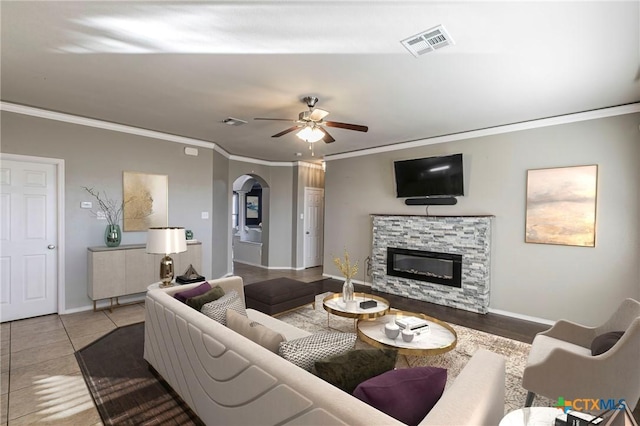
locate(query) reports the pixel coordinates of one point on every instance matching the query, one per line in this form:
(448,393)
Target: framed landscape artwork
(145,199)
(561,206)
(253,206)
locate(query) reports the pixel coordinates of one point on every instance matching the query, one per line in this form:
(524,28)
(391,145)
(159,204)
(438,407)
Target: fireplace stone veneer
(468,236)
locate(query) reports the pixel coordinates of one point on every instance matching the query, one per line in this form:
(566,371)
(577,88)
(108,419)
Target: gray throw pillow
(348,370)
(217,310)
(304,352)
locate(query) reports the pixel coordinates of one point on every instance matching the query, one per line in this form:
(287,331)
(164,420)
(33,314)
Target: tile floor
(41,382)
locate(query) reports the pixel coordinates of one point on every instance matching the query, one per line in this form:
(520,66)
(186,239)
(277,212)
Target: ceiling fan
(311,124)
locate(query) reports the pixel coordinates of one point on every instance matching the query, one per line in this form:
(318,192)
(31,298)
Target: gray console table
(129,269)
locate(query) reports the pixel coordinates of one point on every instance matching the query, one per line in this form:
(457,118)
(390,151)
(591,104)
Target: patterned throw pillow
(348,370)
(304,352)
(254,331)
(217,310)
(198,302)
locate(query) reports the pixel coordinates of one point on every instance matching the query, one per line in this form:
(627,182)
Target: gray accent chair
(560,363)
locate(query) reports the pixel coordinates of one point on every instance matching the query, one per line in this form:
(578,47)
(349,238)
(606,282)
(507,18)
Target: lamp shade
(166,240)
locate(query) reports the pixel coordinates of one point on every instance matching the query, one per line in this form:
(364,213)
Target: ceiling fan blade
(327,138)
(284,132)
(318,114)
(276,119)
(347,126)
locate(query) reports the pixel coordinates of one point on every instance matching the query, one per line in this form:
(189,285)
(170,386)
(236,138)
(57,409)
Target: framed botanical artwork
(145,199)
(561,206)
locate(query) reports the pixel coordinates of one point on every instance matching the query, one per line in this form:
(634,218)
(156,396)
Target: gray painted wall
(536,280)
(96,158)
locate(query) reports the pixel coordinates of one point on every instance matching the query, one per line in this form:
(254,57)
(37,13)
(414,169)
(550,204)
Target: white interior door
(28,240)
(313,226)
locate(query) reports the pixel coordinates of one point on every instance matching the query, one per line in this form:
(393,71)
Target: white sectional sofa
(229,380)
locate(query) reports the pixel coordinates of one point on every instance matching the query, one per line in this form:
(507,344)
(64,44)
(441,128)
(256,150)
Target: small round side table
(531,416)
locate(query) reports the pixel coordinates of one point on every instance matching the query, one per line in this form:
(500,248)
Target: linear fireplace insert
(433,267)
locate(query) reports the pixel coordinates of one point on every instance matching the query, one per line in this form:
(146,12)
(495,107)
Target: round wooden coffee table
(334,304)
(440,337)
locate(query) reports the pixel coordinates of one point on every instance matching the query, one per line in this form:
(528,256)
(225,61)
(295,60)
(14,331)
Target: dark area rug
(125,390)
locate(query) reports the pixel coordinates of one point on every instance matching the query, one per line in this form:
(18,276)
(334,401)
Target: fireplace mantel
(469,236)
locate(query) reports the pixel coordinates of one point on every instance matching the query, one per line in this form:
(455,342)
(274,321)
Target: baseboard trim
(341,278)
(521,316)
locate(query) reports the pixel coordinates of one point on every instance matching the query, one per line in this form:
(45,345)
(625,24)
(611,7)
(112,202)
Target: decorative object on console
(112,235)
(348,271)
(111,210)
(145,201)
(189,276)
(561,206)
(166,241)
(188,234)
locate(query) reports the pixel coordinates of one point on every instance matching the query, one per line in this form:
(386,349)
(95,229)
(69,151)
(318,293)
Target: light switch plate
(204,215)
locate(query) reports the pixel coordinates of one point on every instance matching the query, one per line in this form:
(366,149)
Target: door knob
(307,232)
(51,246)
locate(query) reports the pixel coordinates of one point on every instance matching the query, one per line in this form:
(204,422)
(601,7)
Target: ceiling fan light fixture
(310,134)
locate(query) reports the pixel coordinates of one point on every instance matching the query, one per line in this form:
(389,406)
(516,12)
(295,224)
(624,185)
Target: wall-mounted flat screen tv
(430,177)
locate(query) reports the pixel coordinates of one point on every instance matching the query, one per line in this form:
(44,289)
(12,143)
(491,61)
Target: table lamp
(166,241)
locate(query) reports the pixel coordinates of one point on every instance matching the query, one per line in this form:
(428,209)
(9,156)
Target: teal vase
(112,235)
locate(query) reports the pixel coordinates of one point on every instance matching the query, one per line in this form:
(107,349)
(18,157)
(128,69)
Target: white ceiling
(183,67)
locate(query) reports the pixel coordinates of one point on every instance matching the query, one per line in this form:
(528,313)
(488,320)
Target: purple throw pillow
(196,291)
(407,394)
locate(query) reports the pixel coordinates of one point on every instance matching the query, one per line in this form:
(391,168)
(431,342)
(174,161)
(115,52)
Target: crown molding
(261,162)
(525,125)
(106,125)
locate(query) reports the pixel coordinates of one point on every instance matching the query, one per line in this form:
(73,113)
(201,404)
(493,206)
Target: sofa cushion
(254,331)
(348,370)
(198,302)
(192,292)
(604,342)
(407,394)
(217,310)
(304,352)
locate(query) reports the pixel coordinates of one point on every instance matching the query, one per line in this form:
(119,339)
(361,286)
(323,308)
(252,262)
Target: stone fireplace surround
(469,236)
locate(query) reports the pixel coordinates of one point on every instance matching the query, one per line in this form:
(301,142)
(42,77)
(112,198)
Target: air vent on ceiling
(233,121)
(427,41)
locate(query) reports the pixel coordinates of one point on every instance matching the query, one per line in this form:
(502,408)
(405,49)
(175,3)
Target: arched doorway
(250,220)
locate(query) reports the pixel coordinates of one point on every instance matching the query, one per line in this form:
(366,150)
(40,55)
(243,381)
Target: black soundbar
(438,201)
